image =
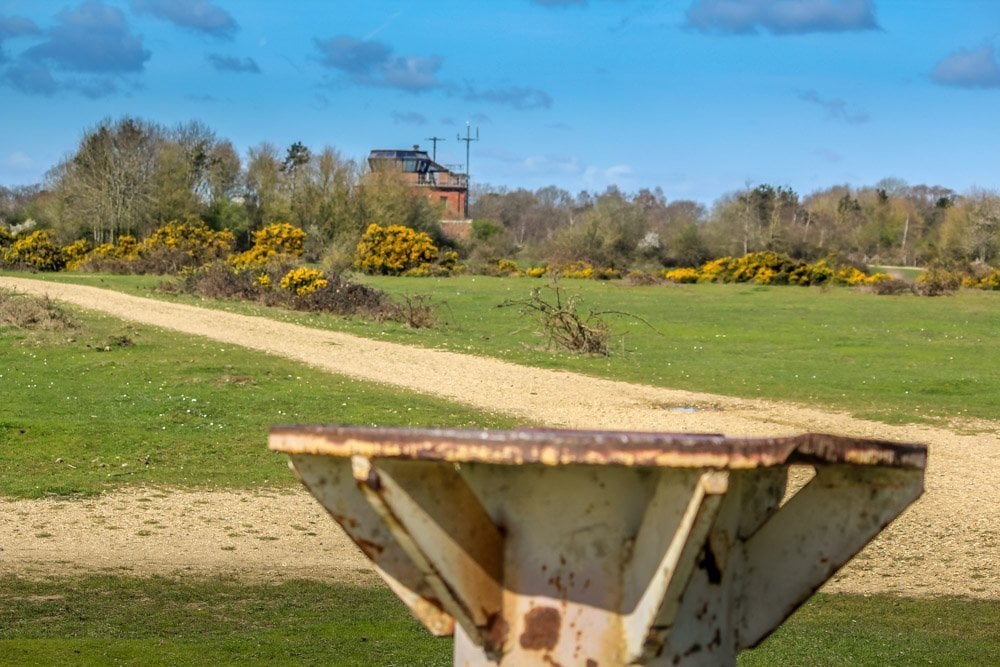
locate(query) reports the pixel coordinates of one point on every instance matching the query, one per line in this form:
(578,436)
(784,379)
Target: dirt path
(947,543)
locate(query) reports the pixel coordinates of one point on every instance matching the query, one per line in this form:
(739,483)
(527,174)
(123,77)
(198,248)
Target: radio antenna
(434,143)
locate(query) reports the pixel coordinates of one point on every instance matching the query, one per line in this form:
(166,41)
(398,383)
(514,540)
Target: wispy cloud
(16,26)
(518,97)
(372,63)
(835,108)
(233,64)
(409,118)
(31,78)
(93,37)
(198,15)
(781,17)
(90,50)
(969,69)
(367,62)
(828,155)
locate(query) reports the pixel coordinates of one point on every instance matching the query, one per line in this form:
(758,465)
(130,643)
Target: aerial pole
(434,143)
(468,139)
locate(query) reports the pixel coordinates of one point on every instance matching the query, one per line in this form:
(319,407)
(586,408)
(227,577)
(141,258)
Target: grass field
(890,358)
(128,620)
(106,403)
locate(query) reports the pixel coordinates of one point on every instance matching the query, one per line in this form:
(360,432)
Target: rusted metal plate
(544,547)
(603,448)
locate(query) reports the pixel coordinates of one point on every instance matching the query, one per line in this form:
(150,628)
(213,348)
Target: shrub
(991,281)
(682,275)
(641,278)
(35,251)
(180,244)
(303,281)
(30,312)
(937,281)
(537,271)
(507,267)
(715,270)
(277,242)
(564,326)
(219,280)
(393,250)
(850,275)
(112,258)
(75,253)
(578,270)
(6,236)
(883,283)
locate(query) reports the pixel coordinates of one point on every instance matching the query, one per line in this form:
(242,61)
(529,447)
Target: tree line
(130,177)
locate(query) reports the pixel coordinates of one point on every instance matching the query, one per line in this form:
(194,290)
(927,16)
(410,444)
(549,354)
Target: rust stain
(495,634)
(553,447)
(371,549)
(541,629)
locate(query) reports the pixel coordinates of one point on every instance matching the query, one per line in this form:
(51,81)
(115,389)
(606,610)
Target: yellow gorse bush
(394,250)
(36,250)
(280,240)
(682,275)
(192,237)
(75,253)
(303,281)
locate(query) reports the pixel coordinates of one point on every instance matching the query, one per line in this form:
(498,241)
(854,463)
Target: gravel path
(946,543)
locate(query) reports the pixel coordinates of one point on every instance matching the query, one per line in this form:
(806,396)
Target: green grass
(116,620)
(109,403)
(200,412)
(834,630)
(100,620)
(893,358)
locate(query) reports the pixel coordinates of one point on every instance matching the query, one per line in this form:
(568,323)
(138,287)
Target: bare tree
(109,182)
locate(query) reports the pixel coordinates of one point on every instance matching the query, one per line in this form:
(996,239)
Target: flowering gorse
(277,242)
(394,250)
(37,250)
(304,281)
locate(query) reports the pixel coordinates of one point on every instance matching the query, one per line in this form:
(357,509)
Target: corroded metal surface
(563,447)
(544,547)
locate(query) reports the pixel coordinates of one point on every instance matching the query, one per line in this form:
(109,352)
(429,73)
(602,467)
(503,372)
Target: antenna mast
(468,139)
(434,143)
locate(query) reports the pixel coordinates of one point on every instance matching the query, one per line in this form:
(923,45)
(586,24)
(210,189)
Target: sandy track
(947,543)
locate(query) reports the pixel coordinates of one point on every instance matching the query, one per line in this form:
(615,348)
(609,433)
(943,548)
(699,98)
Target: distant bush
(575,270)
(278,242)
(31,312)
(182,244)
(982,277)
(281,284)
(937,281)
(682,275)
(35,251)
(303,281)
(641,278)
(394,250)
(169,249)
(75,253)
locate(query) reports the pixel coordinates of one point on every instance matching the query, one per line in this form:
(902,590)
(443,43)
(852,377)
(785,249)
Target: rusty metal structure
(551,547)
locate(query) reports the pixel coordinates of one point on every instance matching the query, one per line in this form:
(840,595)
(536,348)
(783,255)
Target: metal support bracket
(539,547)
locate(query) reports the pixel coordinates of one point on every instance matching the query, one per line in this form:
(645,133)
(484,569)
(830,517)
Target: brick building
(437,182)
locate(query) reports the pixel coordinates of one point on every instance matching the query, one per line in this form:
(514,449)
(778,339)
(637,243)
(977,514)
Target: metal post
(468,139)
(542,547)
(434,146)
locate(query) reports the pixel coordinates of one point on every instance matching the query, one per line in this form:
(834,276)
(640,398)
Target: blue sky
(697,97)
